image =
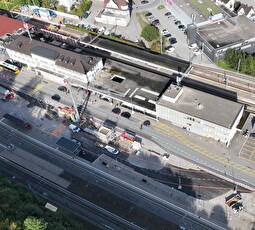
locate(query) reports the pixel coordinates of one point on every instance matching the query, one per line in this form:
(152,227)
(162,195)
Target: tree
(150,33)
(33,223)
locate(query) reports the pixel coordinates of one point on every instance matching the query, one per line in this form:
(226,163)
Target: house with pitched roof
(229,4)
(246,10)
(115,12)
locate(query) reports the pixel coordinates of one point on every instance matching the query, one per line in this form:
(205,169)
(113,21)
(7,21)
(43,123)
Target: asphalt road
(83,175)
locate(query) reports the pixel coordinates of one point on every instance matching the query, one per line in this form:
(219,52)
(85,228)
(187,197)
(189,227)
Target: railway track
(224,78)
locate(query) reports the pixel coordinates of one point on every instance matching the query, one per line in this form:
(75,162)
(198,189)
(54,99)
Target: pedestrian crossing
(37,88)
(58,130)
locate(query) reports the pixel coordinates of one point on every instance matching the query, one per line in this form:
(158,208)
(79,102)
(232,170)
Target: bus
(9,67)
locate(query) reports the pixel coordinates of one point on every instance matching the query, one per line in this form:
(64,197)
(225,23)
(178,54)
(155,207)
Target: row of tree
(19,210)
(240,61)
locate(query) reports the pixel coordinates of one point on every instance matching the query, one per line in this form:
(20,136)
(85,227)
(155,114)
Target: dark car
(116,110)
(147,123)
(168,35)
(181,26)
(177,22)
(148,14)
(167,14)
(62,88)
(126,115)
(155,21)
(172,40)
(56,97)
(144,2)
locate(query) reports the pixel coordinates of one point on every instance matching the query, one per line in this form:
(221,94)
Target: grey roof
(163,60)
(137,84)
(205,106)
(67,144)
(74,61)
(220,34)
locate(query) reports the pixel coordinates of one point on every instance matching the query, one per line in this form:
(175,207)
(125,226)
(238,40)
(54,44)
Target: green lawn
(203,5)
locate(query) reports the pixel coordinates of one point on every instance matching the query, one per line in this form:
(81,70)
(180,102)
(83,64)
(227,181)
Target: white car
(193,46)
(170,49)
(111,149)
(74,128)
(101,30)
(165,32)
(197,51)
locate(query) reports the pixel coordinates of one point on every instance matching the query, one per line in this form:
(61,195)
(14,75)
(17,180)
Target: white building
(53,62)
(229,4)
(246,10)
(116,12)
(199,112)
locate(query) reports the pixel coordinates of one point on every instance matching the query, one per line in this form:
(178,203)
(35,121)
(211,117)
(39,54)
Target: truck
(233,199)
(17,121)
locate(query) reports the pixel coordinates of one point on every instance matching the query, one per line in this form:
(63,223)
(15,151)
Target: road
(148,199)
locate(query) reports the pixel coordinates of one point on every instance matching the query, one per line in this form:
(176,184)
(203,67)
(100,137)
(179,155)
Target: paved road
(148,199)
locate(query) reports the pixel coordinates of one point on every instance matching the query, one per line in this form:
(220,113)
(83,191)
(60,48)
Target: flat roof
(81,63)
(142,86)
(205,106)
(166,61)
(67,144)
(228,31)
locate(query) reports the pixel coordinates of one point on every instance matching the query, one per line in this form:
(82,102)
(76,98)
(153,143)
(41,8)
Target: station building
(199,112)
(53,62)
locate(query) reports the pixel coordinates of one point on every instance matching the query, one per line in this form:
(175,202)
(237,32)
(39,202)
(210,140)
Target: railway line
(224,78)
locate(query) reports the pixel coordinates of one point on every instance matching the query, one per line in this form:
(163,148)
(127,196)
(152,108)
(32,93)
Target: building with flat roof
(134,88)
(54,62)
(217,37)
(200,112)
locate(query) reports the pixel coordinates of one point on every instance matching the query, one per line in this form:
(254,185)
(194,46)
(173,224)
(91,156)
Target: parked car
(126,115)
(86,14)
(182,27)
(56,97)
(111,149)
(167,13)
(144,2)
(193,46)
(116,110)
(172,40)
(74,128)
(148,14)
(62,88)
(155,21)
(165,32)
(177,22)
(170,49)
(197,51)
(167,35)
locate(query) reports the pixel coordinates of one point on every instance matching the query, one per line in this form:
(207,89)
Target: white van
(74,128)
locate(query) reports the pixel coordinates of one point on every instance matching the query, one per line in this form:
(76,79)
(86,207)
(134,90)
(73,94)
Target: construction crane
(75,116)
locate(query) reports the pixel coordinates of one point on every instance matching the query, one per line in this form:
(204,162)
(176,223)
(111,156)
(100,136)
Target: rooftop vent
(67,59)
(61,57)
(73,61)
(200,106)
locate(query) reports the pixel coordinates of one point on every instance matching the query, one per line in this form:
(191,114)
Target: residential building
(54,62)
(246,10)
(116,12)
(229,4)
